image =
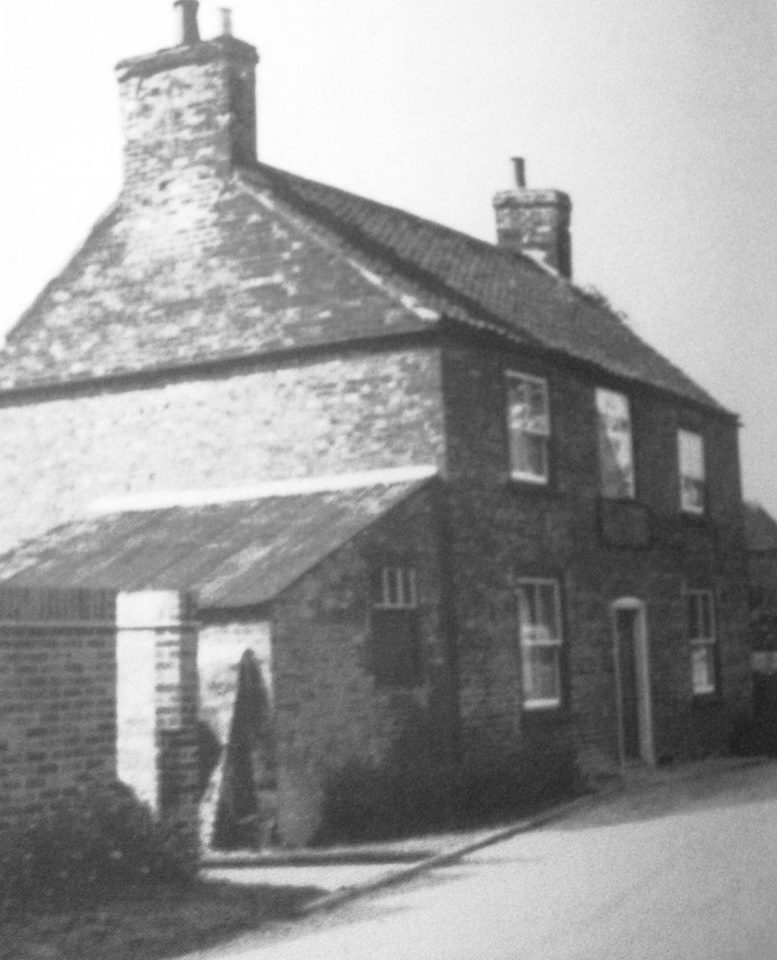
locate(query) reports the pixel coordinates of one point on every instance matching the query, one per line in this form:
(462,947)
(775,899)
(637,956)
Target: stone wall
(354,412)
(502,530)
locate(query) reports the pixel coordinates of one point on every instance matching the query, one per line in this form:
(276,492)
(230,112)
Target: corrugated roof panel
(232,554)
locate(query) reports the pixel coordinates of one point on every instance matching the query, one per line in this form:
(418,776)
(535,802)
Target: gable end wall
(329,416)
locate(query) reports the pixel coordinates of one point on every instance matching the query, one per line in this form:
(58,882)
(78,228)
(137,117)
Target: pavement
(345,873)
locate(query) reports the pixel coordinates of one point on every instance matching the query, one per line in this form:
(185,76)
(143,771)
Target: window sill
(517,485)
(545,715)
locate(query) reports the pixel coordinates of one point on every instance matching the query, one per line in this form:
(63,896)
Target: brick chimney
(188,110)
(535,222)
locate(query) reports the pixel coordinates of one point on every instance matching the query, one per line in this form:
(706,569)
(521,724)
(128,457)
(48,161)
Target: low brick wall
(82,702)
(57,694)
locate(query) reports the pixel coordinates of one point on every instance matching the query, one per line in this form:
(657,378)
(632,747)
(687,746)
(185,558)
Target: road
(675,871)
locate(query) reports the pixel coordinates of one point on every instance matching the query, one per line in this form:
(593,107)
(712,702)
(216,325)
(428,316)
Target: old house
(414,478)
(761,534)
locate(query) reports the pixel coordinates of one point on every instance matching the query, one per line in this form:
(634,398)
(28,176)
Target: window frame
(402,594)
(708,643)
(513,376)
(398,664)
(632,491)
(690,509)
(538,705)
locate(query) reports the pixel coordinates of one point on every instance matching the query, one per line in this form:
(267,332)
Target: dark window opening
(396,635)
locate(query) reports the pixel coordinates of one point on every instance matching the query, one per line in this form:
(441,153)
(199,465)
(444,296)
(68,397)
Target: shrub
(418,788)
(90,844)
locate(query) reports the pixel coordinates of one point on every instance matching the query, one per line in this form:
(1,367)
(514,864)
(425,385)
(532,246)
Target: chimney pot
(520,172)
(189,30)
(226,21)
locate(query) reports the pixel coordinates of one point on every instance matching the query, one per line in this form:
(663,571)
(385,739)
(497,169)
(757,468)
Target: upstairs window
(616,452)
(700,631)
(396,636)
(693,485)
(528,422)
(540,622)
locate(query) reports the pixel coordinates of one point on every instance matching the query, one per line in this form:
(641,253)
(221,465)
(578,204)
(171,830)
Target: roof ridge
(476,312)
(470,310)
(491,248)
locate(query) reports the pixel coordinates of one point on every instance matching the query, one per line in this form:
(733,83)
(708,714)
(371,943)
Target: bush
(420,788)
(89,845)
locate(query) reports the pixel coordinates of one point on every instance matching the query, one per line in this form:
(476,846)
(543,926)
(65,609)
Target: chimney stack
(189,30)
(535,222)
(197,119)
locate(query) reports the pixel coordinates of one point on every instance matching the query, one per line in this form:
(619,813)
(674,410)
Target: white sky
(659,117)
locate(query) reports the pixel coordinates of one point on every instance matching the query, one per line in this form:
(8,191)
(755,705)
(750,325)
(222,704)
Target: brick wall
(74,704)
(330,416)
(502,530)
(328,708)
(57,694)
(181,113)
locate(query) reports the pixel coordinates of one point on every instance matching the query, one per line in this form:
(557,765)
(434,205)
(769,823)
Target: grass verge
(161,921)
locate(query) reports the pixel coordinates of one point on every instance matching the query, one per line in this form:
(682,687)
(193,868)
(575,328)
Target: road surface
(680,871)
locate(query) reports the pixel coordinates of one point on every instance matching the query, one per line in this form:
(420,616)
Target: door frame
(647,753)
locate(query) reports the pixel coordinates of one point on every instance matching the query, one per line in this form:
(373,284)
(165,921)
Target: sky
(658,117)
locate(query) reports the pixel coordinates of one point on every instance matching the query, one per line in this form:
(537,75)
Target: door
(632,681)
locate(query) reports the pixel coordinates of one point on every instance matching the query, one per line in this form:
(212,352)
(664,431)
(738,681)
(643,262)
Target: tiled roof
(232,555)
(760,528)
(109,313)
(479,283)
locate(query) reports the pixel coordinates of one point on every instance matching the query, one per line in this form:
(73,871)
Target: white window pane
(615,444)
(527,608)
(541,674)
(691,448)
(529,427)
(703,668)
(547,603)
(538,406)
(692,494)
(528,455)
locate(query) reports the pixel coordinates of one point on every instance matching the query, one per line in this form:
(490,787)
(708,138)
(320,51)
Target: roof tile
(121,306)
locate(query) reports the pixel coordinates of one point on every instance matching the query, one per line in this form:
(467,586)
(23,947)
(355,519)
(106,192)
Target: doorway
(632,682)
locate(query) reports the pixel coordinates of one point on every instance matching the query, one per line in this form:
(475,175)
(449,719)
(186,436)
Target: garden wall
(92,689)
